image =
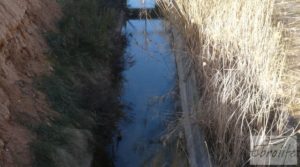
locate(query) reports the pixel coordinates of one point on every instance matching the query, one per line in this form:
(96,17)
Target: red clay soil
(22,58)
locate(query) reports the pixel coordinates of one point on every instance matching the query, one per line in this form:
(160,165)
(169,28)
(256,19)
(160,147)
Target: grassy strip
(85,85)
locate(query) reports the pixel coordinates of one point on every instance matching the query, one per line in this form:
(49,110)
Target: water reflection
(149,80)
(141,3)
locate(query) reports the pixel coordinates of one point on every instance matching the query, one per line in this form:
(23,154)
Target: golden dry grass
(247,54)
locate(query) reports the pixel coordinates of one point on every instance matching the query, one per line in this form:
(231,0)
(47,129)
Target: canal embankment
(83,88)
(196,146)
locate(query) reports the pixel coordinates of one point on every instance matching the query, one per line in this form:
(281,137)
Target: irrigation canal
(150,77)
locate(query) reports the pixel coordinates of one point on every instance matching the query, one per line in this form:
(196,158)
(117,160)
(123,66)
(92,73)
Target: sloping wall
(22,57)
(189,97)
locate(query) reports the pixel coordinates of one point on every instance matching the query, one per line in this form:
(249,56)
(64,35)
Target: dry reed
(247,57)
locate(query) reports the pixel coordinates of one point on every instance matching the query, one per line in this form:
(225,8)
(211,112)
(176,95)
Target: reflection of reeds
(247,54)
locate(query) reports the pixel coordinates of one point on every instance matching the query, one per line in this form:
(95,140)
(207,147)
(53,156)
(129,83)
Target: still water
(149,82)
(141,3)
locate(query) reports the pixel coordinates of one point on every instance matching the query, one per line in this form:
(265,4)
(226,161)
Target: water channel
(150,78)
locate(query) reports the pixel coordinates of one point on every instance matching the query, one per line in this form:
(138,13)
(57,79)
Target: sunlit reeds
(247,58)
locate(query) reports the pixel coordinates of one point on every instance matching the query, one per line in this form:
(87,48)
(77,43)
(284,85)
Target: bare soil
(22,58)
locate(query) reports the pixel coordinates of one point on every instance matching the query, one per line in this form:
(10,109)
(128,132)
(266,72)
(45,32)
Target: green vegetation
(84,86)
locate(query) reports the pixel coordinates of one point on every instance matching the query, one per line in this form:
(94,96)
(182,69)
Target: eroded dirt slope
(22,58)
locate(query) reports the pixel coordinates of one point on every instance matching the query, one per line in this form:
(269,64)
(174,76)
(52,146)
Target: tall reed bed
(246,54)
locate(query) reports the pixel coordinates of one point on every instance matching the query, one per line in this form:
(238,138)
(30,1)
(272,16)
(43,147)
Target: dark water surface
(148,84)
